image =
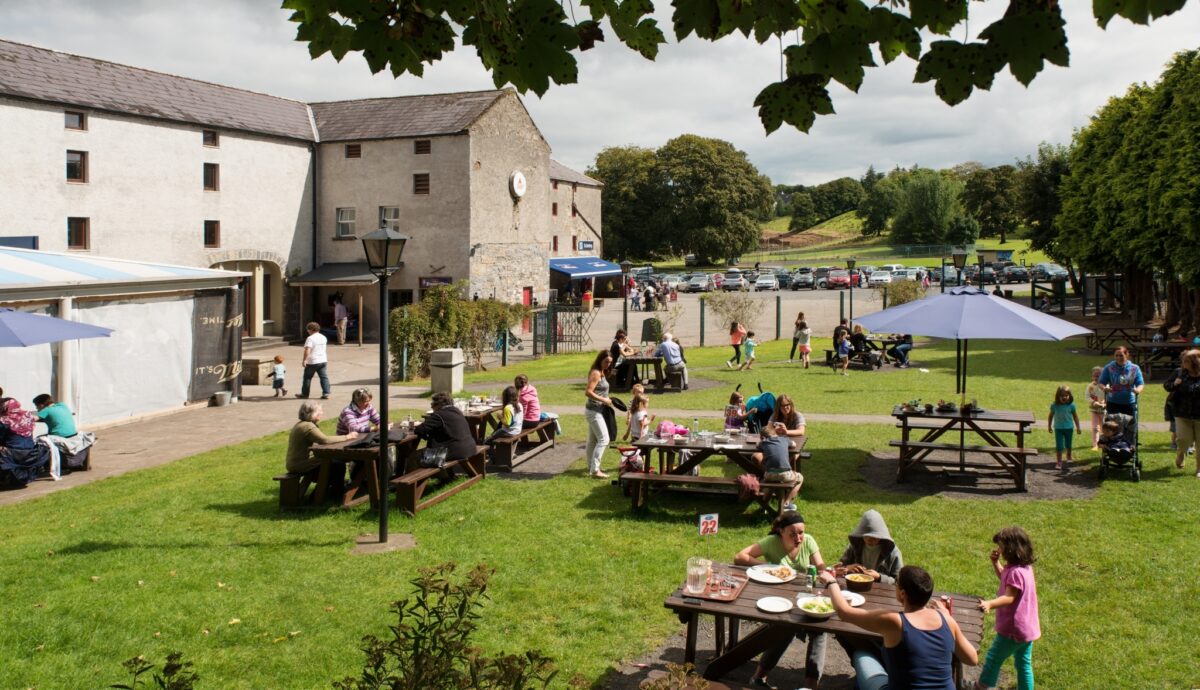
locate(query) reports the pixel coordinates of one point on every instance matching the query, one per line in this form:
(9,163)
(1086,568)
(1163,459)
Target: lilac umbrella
(966,313)
(22,329)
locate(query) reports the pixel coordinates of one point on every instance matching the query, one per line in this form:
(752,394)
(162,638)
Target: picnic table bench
(1164,355)
(510,451)
(987,425)
(1103,338)
(770,495)
(363,452)
(410,487)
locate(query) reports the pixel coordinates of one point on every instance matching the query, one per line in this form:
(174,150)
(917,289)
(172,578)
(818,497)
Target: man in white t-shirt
(314,361)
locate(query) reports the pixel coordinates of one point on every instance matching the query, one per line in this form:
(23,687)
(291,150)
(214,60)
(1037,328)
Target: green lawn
(167,558)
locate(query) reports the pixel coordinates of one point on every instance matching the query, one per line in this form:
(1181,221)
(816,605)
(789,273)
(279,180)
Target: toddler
(639,418)
(735,411)
(748,346)
(1095,396)
(279,374)
(1061,421)
(803,341)
(1016,609)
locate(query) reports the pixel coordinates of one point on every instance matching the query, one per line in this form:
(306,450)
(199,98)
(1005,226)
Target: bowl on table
(813,606)
(858,582)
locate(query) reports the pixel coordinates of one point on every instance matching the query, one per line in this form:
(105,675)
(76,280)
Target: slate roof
(50,76)
(403,116)
(562,173)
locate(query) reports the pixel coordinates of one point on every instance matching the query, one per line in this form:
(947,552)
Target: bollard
(404,362)
(701,322)
(885,291)
(778,315)
(624,312)
(504,348)
(841,305)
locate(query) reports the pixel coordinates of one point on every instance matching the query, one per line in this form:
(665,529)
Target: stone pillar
(446,370)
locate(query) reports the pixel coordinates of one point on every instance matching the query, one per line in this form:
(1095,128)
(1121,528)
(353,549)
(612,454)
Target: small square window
(211,138)
(554,209)
(353,150)
(345,222)
(555,183)
(389,217)
(212,177)
(77,166)
(75,120)
(422,146)
(212,234)
(421,183)
(78,233)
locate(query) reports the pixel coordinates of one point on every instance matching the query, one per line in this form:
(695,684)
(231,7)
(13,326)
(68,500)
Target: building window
(353,150)
(212,177)
(75,120)
(421,183)
(212,234)
(554,247)
(345,222)
(574,210)
(574,243)
(422,146)
(554,209)
(389,217)
(211,138)
(555,183)
(77,166)
(78,233)
(399,298)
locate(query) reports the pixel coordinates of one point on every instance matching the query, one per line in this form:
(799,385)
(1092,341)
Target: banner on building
(217,321)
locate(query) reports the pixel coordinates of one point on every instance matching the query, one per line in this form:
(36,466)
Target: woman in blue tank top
(919,644)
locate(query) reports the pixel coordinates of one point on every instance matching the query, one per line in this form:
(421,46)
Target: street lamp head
(850,263)
(383,248)
(959,255)
(626,266)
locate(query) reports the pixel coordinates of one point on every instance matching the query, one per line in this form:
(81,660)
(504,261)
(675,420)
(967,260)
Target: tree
(1039,201)
(929,204)
(880,204)
(713,197)
(783,198)
(869,178)
(531,43)
(992,196)
(804,212)
(632,202)
(836,197)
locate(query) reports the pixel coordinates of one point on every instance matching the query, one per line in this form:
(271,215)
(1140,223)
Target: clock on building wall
(517,184)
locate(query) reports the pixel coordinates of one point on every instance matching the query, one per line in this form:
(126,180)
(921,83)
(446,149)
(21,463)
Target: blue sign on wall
(586,245)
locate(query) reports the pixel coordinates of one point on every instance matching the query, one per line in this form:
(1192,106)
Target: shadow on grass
(267,508)
(89,546)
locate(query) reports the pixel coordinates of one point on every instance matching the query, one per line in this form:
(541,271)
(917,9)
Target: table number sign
(708,524)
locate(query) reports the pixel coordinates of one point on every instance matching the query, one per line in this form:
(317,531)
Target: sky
(694,87)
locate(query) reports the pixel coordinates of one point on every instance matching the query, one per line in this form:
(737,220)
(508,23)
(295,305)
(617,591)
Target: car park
(1049,271)
(734,280)
(1015,274)
(701,283)
(880,277)
(766,281)
(783,278)
(987,276)
(802,278)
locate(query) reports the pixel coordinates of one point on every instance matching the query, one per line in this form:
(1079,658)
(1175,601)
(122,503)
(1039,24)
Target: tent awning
(584,267)
(336,275)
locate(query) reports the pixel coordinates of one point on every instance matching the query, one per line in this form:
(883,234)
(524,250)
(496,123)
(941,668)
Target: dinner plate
(759,573)
(774,604)
(853,598)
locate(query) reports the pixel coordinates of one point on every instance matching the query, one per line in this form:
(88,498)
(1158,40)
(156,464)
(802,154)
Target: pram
(759,409)
(1121,451)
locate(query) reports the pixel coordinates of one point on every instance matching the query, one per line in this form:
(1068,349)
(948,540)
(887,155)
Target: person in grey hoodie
(872,550)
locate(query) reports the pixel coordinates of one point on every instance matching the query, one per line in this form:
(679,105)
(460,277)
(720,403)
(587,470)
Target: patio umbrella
(22,329)
(966,313)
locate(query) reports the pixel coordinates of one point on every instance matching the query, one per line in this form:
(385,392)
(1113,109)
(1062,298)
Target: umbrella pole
(957,365)
(962,428)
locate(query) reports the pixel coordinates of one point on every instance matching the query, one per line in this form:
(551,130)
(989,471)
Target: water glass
(697,574)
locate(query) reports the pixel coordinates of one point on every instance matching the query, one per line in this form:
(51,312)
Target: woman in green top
(790,544)
(305,434)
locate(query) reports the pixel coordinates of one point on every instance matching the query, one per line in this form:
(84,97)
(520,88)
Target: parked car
(718,280)
(951,275)
(971,273)
(838,278)
(701,283)
(987,276)
(868,270)
(691,260)
(734,280)
(783,278)
(766,281)
(879,277)
(802,278)
(900,274)
(1015,274)
(820,277)
(891,267)
(1049,271)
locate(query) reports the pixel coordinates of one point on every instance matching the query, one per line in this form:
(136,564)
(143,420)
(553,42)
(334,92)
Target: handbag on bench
(433,457)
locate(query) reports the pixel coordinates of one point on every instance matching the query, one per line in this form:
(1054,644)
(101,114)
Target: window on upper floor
(574,243)
(554,209)
(389,216)
(77,166)
(353,150)
(212,177)
(75,120)
(212,234)
(421,183)
(422,146)
(210,138)
(574,210)
(554,184)
(345,222)
(554,246)
(79,233)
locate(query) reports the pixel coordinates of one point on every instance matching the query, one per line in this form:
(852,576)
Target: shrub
(901,292)
(735,306)
(678,678)
(444,318)
(176,673)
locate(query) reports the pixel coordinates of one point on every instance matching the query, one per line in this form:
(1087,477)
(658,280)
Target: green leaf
(1028,35)
(796,101)
(1136,11)
(957,68)
(939,16)
(700,17)
(590,34)
(895,34)
(840,55)
(630,23)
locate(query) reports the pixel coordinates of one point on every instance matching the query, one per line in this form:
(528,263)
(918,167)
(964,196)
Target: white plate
(759,573)
(774,604)
(853,598)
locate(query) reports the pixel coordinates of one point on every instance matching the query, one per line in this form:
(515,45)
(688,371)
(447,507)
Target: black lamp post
(959,255)
(942,276)
(383,248)
(626,267)
(850,269)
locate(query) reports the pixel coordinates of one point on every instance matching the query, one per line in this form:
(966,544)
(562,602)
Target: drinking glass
(697,574)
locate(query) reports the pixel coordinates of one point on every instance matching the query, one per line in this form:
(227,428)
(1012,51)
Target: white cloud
(693,87)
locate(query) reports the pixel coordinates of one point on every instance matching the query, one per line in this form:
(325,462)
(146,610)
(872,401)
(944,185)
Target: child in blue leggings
(1063,420)
(1017,624)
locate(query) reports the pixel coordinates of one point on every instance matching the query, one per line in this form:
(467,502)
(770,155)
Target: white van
(892,267)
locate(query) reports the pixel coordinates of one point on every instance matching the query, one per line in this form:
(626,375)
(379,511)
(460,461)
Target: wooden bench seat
(293,489)
(860,360)
(1013,460)
(509,451)
(410,487)
(771,495)
(940,422)
(928,445)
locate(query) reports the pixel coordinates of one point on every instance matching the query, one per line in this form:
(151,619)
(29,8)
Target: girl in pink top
(736,333)
(528,397)
(1016,609)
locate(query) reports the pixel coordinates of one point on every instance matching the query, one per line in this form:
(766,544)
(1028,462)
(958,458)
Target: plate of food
(853,598)
(771,574)
(815,607)
(774,604)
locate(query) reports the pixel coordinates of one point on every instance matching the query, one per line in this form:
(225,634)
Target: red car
(838,279)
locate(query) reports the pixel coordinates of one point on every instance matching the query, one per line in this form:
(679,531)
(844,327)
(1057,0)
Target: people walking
(315,360)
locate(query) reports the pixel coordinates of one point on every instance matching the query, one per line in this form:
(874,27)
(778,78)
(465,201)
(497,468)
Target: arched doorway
(262,294)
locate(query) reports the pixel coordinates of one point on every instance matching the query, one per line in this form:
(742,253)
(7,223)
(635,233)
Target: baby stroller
(759,409)
(1120,451)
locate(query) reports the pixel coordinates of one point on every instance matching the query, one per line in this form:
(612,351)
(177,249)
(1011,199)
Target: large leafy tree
(992,196)
(836,197)
(531,43)
(804,212)
(929,208)
(1040,204)
(881,202)
(632,200)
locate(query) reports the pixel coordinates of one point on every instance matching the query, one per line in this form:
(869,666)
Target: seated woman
(786,421)
(919,645)
(446,427)
(620,349)
(305,434)
(511,416)
(16,425)
(788,544)
(21,460)
(859,340)
(359,416)
(531,407)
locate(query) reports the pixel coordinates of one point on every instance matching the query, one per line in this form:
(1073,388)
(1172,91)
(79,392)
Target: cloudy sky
(622,99)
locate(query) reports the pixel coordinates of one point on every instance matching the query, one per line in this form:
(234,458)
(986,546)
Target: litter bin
(446,370)
(220,399)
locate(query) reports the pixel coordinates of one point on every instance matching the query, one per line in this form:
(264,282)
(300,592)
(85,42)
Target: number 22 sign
(708,524)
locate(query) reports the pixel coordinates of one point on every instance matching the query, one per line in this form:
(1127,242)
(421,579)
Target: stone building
(173,170)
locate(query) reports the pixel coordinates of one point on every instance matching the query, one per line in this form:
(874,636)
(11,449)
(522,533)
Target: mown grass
(167,558)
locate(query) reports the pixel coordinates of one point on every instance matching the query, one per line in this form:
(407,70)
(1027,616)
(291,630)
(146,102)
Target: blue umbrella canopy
(969,313)
(22,329)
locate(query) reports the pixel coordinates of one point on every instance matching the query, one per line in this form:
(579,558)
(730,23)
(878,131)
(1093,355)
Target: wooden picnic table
(732,652)
(639,368)
(1103,338)
(481,418)
(1148,355)
(364,480)
(988,425)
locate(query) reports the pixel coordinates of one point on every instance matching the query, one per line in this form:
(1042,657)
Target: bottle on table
(695,427)
(812,577)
